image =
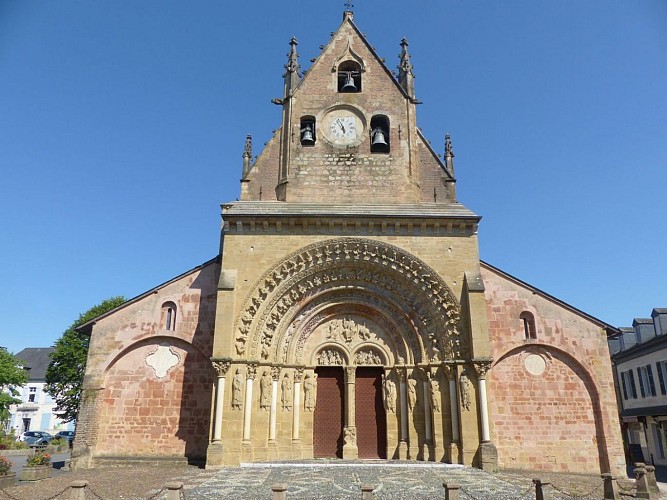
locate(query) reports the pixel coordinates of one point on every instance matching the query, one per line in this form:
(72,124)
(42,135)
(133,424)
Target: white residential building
(36,410)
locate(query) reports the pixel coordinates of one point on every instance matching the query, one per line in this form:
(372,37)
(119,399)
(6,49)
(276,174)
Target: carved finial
(449,155)
(291,68)
(347,13)
(448,146)
(405,74)
(247,155)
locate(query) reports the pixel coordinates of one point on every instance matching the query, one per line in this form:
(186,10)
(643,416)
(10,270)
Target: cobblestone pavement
(311,479)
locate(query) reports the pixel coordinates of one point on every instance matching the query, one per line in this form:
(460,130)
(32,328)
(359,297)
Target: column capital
(482,366)
(251,371)
(450,371)
(350,374)
(275,373)
(298,374)
(221,366)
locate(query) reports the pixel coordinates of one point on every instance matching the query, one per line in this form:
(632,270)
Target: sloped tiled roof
(37,359)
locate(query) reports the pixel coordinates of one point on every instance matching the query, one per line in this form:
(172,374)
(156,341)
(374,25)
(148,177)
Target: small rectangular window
(659,367)
(642,389)
(633,388)
(648,372)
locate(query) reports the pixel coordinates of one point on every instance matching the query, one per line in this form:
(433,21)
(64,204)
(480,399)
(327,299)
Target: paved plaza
(334,479)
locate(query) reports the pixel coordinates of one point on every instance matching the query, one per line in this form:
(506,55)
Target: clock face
(343,127)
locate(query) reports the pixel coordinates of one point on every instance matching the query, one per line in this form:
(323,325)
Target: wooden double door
(329,415)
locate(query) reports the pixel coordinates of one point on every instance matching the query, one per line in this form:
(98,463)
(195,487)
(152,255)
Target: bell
(307,136)
(349,84)
(379,142)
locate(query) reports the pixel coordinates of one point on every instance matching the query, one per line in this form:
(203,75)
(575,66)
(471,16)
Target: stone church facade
(348,314)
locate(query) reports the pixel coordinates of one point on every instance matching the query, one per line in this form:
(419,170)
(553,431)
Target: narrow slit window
(528,325)
(169,316)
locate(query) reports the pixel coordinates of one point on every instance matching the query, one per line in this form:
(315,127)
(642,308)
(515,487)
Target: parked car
(67,435)
(36,438)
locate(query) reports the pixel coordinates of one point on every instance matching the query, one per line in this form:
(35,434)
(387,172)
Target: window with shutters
(628,383)
(661,368)
(646,382)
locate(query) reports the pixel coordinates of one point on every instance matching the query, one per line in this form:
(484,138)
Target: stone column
(438,448)
(221,368)
(451,372)
(298,378)
(403,397)
(247,413)
(350,449)
(214,452)
(275,374)
(426,387)
(488,455)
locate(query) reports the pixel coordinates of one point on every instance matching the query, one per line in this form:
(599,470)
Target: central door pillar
(350,449)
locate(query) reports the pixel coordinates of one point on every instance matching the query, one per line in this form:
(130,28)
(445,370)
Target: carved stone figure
(466,388)
(237,386)
(286,397)
(329,357)
(367,357)
(435,395)
(310,389)
(412,393)
(265,391)
(350,436)
(390,395)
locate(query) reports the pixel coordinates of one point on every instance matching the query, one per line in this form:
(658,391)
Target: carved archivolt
(392,274)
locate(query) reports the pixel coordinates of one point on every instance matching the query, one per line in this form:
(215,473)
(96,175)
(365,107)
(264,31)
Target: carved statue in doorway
(237,384)
(412,393)
(310,389)
(435,394)
(265,391)
(466,388)
(390,394)
(286,398)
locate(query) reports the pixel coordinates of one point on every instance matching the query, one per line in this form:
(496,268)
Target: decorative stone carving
(379,263)
(329,357)
(482,366)
(435,394)
(251,371)
(265,391)
(412,393)
(389,394)
(286,396)
(466,391)
(221,366)
(347,330)
(367,357)
(162,359)
(275,373)
(237,387)
(298,375)
(350,436)
(310,391)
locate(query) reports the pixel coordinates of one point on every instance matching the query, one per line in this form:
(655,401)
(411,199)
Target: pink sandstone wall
(132,408)
(563,418)
(143,415)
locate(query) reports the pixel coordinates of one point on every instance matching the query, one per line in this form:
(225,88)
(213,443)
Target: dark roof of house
(37,359)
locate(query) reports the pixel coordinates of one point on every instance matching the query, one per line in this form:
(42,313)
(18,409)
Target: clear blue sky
(122,126)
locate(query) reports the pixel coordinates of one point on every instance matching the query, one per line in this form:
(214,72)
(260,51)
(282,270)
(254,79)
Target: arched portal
(365,318)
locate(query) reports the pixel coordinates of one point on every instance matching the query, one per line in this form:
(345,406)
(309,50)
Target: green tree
(12,376)
(64,376)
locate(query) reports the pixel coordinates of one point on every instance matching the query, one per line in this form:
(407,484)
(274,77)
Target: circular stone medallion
(534,364)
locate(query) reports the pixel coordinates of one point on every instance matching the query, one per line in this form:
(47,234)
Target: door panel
(328,415)
(371,420)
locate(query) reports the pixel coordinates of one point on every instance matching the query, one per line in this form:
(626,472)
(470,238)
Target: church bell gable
(348,133)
